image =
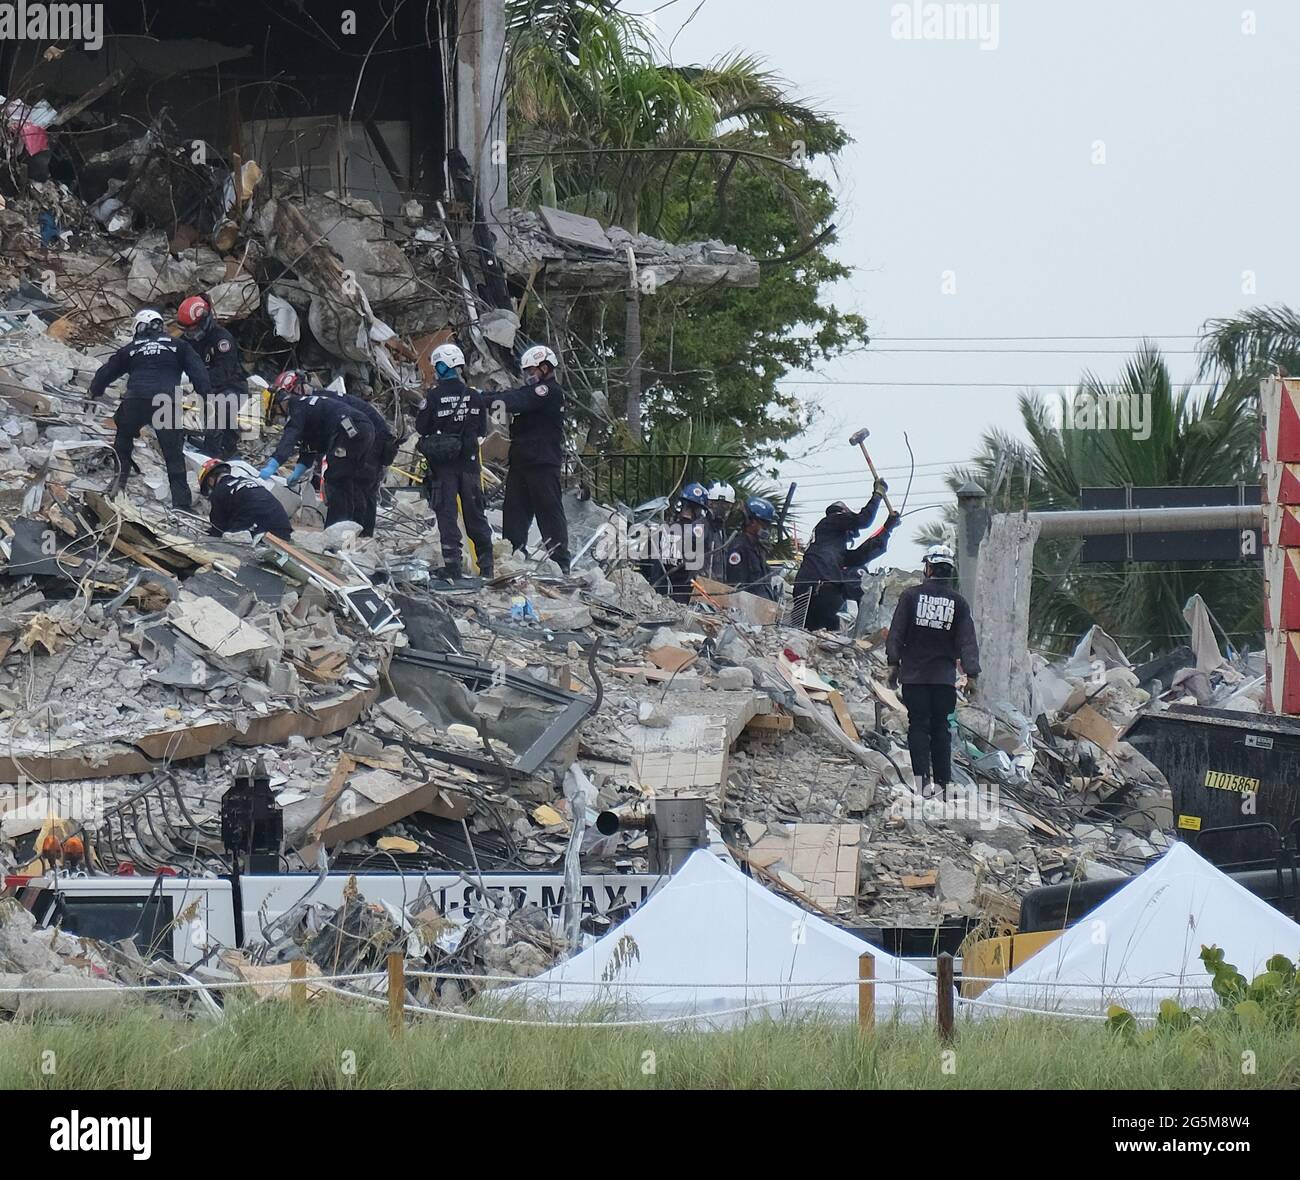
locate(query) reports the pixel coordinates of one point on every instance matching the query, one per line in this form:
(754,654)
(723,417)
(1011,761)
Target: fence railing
(632,477)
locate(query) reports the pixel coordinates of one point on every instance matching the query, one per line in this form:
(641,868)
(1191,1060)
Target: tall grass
(335,1046)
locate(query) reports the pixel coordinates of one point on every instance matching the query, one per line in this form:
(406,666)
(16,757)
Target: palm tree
(596,120)
(1192,441)
(1254,344)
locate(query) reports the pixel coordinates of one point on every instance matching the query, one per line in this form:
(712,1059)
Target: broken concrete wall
(1006,566)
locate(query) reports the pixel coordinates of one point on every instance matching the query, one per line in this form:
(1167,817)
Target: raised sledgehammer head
(858,436)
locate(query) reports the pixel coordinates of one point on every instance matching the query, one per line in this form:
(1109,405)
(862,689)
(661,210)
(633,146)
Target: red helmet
(194,315)
(208,473)
(291,381)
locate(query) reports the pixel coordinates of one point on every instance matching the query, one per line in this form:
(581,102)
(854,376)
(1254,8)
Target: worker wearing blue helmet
(687,542)
(746,554)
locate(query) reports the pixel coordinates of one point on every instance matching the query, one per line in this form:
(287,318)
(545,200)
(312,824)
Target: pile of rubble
(470,729)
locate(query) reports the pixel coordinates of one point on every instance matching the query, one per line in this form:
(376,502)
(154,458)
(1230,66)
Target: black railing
(632,478)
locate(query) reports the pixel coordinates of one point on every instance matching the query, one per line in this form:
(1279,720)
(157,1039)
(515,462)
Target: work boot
(448,573)
(119,486)
(928,788)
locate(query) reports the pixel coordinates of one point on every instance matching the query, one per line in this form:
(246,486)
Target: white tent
(710,925)
(1143,944)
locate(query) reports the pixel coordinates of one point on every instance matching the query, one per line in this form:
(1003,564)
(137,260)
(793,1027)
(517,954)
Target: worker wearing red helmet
(219,352)
(324,427)
(240,503)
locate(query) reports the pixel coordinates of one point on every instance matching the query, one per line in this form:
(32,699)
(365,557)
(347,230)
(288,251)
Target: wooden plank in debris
(671,658)
(998,905)
(15,390)
(773,879)
(654,675)
(751,607)
(110,83)
(770,723)
(1088,723)
(842,715)
(926,880)
(333,789)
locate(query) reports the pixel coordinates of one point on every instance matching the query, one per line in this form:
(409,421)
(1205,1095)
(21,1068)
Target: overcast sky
(984,162)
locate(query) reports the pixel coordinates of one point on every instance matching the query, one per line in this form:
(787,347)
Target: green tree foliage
(1193,440)
(600,125)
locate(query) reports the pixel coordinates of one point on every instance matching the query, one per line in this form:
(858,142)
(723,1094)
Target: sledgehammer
(856,439)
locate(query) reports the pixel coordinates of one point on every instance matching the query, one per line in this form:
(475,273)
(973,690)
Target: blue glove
(297,473)
(272,466)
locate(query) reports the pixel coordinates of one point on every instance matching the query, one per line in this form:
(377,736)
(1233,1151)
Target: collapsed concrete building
(352,217)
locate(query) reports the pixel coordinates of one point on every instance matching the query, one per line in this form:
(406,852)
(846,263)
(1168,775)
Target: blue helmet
(695,493)
(760,509)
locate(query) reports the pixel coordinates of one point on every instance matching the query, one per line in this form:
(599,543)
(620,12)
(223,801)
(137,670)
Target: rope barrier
(787,985)
(447,1014)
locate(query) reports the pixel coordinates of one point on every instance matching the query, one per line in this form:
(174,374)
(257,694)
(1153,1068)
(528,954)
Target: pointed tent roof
(1143,944)
(709,924)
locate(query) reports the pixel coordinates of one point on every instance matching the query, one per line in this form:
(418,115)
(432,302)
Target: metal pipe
(1147,520)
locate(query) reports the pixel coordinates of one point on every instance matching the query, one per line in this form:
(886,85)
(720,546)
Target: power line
(987,339)
(1036,351)
(1072,382)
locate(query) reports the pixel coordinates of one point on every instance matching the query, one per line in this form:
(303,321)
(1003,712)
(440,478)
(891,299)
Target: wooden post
(396,992)
(944,1007)
(298,991)
(866,993)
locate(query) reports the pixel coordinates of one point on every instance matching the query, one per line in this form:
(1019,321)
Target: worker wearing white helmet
(722,499)
(153,364)
(451,420)
(931,631)
(536,456)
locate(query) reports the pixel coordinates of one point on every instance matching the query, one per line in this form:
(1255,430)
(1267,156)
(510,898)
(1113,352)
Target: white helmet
(448,354)
(722,491)
(147,318)
(534,356)
(940,555)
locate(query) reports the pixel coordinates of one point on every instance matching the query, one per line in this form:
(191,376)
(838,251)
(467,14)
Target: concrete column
(480,102)
(1006,563)
(972,524)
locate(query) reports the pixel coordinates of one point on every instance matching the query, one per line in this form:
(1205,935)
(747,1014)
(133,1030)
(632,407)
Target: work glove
(892,521)
(972,687)
(893,676)
(880,487)
(272,466)
(297,473)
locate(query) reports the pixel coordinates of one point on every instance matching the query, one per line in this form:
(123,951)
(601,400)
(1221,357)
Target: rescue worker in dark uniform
(746,554)
(153,363)
(451,420)
(536,455)
(686,544)
(240,504)
(722,499)
(322,426)
(381,455)
(219,352)
(931,630)
(824,575)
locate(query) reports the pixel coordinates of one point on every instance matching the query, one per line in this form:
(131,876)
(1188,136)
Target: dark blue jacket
(746,566)
(220,354)
(153,365)
(828,559)
(452,407)
(241,504)
(932,629)
(314,420)
(383,431)
(537,425)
